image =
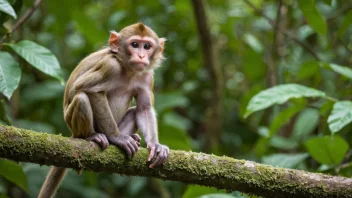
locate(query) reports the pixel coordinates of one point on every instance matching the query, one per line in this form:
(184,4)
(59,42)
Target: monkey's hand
(100,139)
(158,154)
(128,143)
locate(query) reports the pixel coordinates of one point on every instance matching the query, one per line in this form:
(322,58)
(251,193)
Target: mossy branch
(189,167)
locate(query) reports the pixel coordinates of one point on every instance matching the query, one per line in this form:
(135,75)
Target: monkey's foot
(100,139)
(128,143)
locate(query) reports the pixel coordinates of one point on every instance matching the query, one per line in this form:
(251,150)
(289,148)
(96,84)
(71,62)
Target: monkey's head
(138,46)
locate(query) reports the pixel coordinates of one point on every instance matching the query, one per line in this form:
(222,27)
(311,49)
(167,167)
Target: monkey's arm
(106,124)
(100,77)
(147,124)
(91,81)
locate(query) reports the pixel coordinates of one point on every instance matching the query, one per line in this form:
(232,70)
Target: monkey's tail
(52,182)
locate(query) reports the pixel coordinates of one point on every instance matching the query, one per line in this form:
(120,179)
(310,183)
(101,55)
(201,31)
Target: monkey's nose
(141,56)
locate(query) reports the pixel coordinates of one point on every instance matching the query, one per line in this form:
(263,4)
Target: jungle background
(209,92)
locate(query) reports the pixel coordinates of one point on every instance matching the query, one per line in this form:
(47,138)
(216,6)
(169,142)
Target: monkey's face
(141,50)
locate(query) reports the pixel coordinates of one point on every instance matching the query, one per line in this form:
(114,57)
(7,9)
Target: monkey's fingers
(128,150)
(133,147)
(152,152)
(105,141)
(136,137)
(99,139)
(160,158)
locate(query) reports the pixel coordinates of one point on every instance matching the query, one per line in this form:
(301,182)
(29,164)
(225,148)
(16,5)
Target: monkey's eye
(147,46)
(134,45)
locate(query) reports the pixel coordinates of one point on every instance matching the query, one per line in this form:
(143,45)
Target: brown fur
(98,96)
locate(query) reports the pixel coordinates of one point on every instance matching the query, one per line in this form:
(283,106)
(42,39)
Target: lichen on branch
(23,145)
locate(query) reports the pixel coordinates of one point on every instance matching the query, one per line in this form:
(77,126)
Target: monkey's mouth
(139,64)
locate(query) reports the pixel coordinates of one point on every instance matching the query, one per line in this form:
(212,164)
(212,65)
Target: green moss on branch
(188,167)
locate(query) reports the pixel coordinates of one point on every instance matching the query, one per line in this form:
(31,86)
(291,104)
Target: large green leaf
(284,116)
(14,173)
(10,74)
(279,95)
(340,116)
(314,18)
(327,149)
(38,56)
(285,160)
(7,8)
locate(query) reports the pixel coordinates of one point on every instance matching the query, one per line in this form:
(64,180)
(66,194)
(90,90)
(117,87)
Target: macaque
(99,92)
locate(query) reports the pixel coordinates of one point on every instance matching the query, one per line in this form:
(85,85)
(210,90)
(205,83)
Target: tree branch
(23,145)
(23,19)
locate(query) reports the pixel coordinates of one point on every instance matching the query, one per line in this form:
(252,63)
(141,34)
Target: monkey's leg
(128,125)
(79,116)
(105,123)
(52,182)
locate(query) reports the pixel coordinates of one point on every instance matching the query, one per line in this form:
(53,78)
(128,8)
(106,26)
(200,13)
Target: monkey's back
(91,62)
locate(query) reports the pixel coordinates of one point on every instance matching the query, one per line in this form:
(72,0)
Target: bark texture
(189,167)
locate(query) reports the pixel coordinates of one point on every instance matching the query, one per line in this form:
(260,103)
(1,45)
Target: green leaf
(164,101)
(261,146)
(253,61)
(284,116)
(347,20)
(173,137)
(40,57)
(220,195)
(253,42)
(285,160)
(39,92)
(7,8)
(14,173)
(340,116)
(94,33)
(196,191)
(344,71)
(4,114)
(327,149)
(173,119)
(314,18)
(283,143)
(308,69)
(279,95)
(306,122)
(10,74)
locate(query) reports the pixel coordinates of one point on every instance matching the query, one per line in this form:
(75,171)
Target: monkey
(99,92)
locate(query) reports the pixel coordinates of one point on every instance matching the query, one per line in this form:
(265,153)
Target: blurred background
(214,66)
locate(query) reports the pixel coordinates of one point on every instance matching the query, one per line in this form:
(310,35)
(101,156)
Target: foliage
(286,74)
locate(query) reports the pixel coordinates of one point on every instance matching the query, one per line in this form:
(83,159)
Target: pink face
(141,50)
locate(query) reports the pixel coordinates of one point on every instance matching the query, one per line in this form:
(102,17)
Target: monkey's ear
(161,44)
(114,41)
